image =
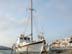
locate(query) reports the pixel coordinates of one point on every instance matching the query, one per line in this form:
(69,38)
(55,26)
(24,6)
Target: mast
(31,16)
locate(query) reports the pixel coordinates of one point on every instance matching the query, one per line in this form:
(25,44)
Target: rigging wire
(36,23)
(40,25)
(27,22)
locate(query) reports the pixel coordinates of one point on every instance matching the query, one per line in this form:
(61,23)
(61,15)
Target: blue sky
(53,17)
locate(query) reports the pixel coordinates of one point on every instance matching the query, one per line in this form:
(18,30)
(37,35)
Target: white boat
(26,44)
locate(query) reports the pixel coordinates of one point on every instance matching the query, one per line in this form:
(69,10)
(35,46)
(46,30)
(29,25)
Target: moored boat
(26,44)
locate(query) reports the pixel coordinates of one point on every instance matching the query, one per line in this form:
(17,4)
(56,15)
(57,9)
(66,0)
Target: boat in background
(63,46)
(62,43)
(26,44)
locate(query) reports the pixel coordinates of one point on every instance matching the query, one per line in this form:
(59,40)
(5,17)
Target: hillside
(4,48)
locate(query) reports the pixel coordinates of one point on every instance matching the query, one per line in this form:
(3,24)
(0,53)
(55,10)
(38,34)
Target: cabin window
(28,38)
(25,38)
(21,38)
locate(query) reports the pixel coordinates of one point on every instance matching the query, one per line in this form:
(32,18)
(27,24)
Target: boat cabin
(24,38)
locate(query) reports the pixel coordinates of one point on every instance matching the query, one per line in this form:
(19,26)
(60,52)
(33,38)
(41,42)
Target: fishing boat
(26,44)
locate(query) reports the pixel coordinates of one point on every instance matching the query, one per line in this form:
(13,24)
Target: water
(9,52)
(61,52)
(5,51)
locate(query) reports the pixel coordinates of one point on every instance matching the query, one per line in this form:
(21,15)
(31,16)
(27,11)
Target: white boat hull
(32,47)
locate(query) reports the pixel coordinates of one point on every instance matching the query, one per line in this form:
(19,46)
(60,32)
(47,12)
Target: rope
(27,22)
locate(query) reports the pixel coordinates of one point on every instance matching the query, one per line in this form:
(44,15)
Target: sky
(52,17)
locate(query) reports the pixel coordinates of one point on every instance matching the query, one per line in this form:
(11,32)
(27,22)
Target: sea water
(9,52)
(5,51)
(13,52)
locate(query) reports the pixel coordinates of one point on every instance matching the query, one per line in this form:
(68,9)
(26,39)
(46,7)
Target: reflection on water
(9,52)
(13,52)
(5,51)
(61,52)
